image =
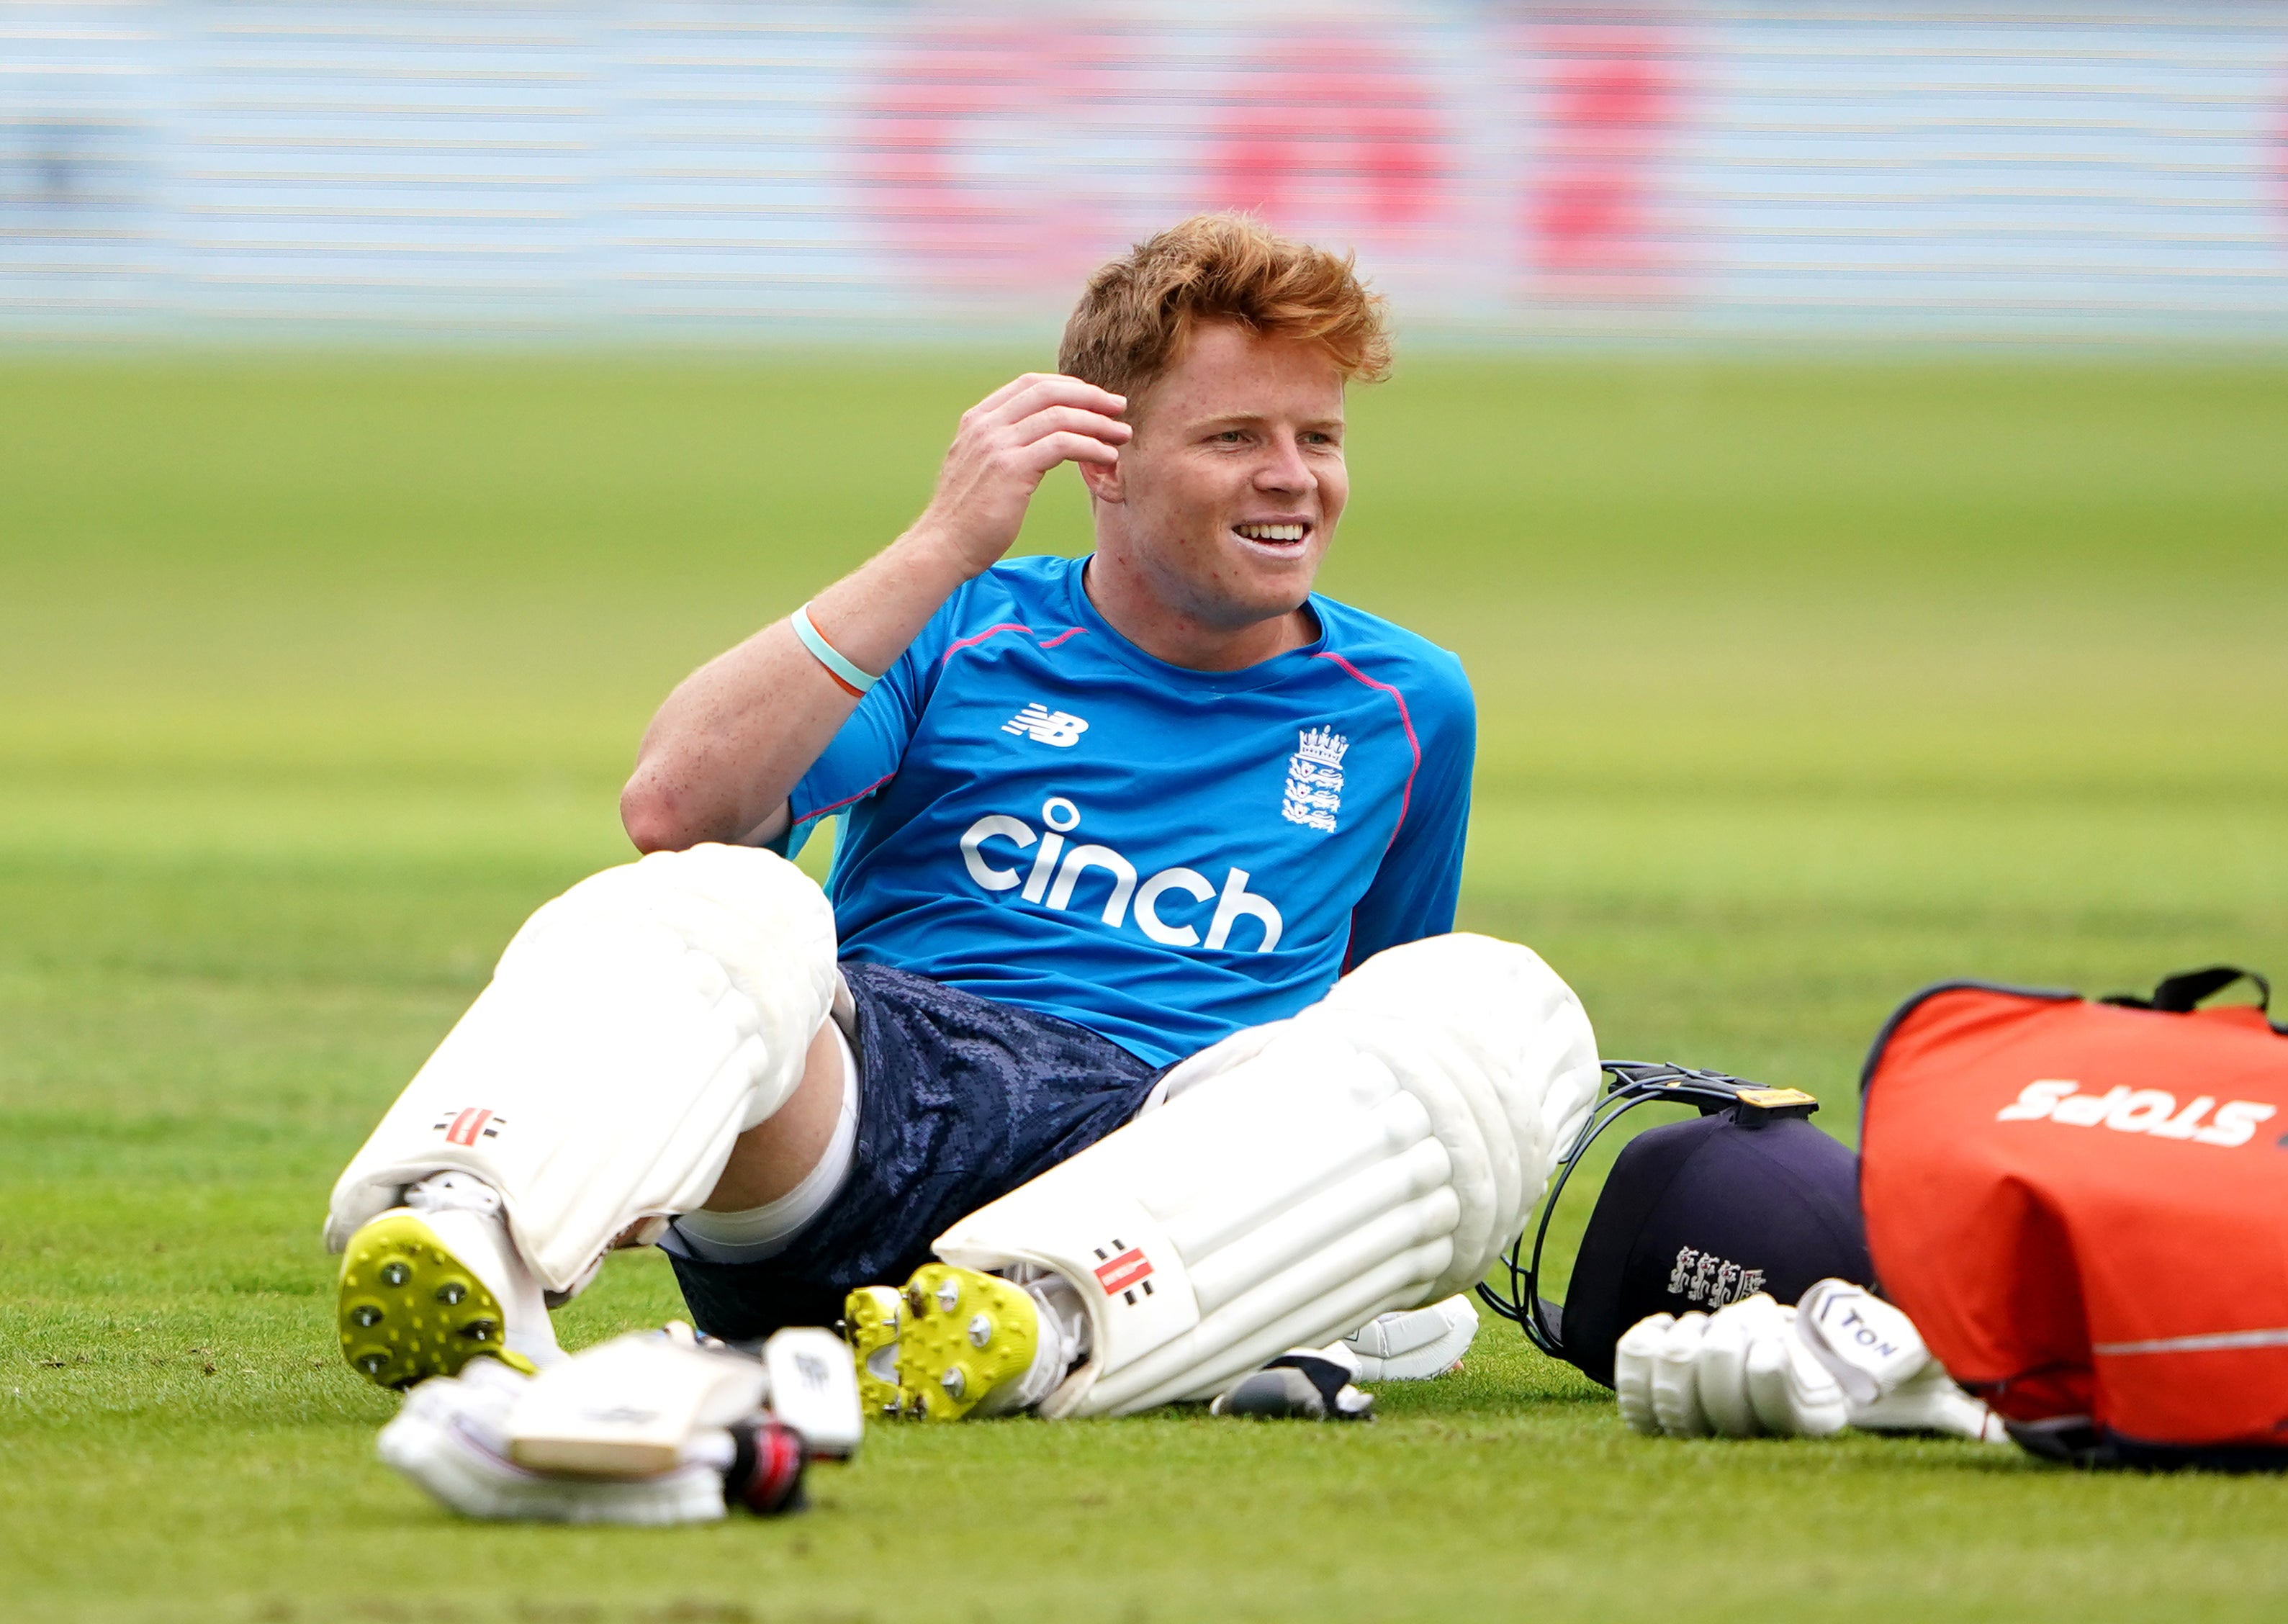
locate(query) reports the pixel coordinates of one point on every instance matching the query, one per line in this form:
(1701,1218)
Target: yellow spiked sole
(963,1334)
(410,1310)
(870,1324)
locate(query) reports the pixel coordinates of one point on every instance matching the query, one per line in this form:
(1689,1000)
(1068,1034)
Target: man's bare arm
(731,742)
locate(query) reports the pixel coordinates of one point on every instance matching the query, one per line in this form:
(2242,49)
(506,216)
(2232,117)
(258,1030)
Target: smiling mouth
(1285,539)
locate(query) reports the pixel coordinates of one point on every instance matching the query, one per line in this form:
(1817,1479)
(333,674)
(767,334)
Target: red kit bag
(2083,1206)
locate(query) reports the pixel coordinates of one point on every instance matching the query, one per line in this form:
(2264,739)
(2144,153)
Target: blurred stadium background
(649,167)
(1844,442)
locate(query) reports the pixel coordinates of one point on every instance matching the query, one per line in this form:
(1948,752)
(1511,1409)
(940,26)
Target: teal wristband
(848,675)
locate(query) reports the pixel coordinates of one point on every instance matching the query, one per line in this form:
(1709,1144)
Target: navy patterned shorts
(961,1100)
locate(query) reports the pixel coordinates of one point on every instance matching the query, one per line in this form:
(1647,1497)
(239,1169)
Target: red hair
(1133,320)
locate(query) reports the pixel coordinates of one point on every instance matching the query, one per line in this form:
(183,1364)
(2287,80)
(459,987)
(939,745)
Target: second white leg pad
(1376,1152)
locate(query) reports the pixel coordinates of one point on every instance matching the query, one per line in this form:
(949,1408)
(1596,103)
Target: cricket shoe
(427,1286)
(966,1343)
(870,1325)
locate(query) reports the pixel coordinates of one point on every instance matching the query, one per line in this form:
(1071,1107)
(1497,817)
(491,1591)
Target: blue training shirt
(1039,812)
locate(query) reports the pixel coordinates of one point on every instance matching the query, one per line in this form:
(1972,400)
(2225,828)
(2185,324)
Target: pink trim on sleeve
(1405,721)
(981,637)
(1070,631)
(847,799)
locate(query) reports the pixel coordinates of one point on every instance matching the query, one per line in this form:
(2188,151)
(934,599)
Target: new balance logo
(1044,725)
(2150,1111)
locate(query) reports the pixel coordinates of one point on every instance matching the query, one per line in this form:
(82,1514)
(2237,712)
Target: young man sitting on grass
(1133,1039)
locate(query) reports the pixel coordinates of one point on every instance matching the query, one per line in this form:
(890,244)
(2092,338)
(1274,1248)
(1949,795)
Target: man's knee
(776,1154)
(633,1028)
(1375,1152)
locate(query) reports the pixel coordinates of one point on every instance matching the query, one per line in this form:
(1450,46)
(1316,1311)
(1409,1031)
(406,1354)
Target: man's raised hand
(1006,444)
(732,742)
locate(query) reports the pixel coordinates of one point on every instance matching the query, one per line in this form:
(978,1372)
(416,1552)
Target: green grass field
(1802,685)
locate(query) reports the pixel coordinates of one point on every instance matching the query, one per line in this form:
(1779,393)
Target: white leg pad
(1375,1152)
(633,1029)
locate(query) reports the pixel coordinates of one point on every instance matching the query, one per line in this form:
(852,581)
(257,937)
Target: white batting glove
(1757,1367)
(1414,1346)
(1739,1374)
(452,1439)
(651,1428)
(1632,1357)
(1891,1381)
(1675,1384)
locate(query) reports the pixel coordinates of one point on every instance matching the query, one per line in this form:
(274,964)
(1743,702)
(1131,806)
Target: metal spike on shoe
(871,1319)
(407,1308)
(983,1335)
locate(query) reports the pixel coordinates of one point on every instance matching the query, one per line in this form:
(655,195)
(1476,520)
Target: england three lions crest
(1315,780)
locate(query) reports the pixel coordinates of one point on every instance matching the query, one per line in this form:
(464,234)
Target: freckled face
(1235,480)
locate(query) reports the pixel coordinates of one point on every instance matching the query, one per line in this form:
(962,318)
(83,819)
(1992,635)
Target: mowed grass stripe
(1802,685)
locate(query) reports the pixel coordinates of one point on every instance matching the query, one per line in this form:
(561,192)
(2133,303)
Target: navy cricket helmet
(1749,1197)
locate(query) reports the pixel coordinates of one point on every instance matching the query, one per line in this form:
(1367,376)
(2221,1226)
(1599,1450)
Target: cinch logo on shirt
(1047,726)
(2150,1111)
(1056,872)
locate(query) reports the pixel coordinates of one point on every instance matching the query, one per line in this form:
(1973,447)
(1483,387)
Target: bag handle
(2180,993)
